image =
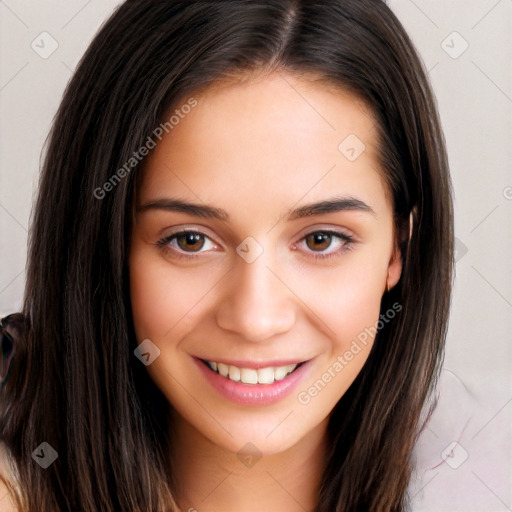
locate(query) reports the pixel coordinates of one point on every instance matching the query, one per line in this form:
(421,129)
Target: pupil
(321,240)
(191,241)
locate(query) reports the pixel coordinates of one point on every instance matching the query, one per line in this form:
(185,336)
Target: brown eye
(190,241)
(318,241)
(324,244)
(187,244)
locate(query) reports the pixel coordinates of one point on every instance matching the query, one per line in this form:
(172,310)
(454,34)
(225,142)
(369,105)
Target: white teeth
(280,373)
(250,375)
(234,373)
(223,369)
(266,375)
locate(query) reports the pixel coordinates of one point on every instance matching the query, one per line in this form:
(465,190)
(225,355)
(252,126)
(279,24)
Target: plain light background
(464,456)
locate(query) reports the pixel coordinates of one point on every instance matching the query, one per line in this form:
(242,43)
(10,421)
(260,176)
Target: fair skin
(258,150)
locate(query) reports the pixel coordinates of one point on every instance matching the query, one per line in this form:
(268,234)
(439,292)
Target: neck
(210,478)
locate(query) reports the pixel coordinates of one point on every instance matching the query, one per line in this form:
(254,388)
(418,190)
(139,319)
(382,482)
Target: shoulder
(6,501)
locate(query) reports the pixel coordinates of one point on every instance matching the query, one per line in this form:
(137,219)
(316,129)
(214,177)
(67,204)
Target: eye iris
(190,242)
(322,241)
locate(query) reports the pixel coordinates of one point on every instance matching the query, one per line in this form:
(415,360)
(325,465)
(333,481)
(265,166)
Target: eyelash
(347,239)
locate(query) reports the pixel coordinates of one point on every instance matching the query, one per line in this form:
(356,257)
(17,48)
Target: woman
(239,300)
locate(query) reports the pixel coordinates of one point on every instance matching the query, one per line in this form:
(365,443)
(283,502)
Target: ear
(394,268)
(395,262)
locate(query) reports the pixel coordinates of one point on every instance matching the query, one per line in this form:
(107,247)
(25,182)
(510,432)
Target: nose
(257,304)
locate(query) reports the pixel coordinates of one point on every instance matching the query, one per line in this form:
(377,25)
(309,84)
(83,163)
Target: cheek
(346,299)
(358,305)
(164,298)
(347,303)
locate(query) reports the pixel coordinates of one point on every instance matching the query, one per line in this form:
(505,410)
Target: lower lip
(254,394)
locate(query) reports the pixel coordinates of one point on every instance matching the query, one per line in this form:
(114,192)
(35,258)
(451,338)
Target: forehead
(274,137)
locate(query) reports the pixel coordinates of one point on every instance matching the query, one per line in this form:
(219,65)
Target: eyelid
(195,228)
(343,234)
(164,243)
(327,228)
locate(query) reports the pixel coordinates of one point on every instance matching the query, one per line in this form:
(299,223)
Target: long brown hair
(74,381)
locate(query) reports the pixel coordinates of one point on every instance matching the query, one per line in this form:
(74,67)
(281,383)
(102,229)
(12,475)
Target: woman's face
(262,280)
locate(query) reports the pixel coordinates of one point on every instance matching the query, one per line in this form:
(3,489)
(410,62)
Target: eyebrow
(204,211)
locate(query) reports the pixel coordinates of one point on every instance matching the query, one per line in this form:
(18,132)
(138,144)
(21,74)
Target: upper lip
(254,364)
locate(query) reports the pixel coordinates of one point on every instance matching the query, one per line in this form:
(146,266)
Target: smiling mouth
(267,375)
